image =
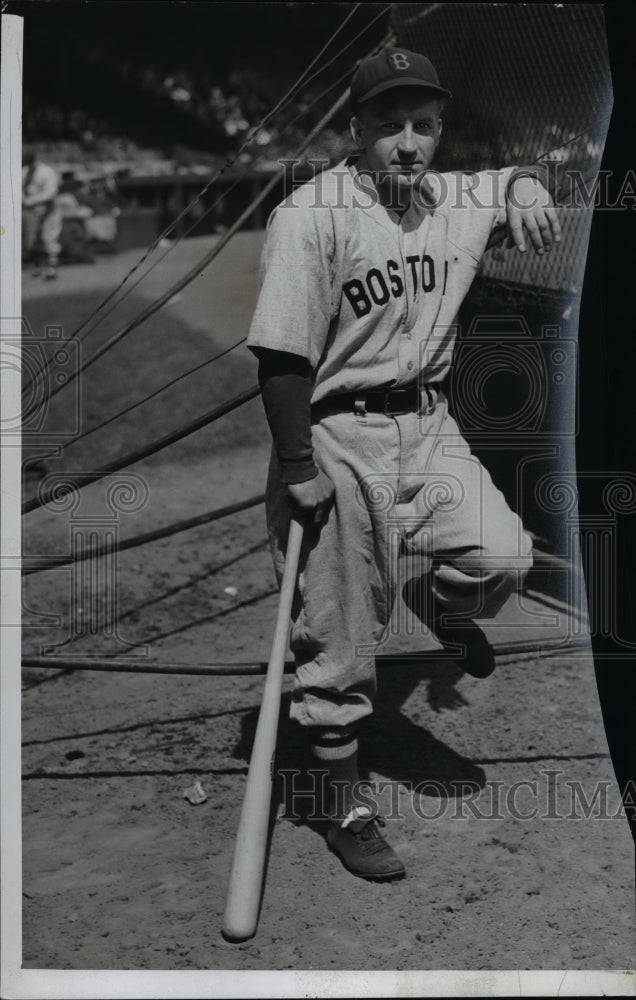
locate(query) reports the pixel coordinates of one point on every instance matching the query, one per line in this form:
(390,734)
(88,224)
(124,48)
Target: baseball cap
(394,67)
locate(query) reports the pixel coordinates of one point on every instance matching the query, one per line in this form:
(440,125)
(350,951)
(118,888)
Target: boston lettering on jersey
(376,289)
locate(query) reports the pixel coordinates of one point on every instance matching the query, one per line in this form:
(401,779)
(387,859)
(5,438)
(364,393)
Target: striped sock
(337,750)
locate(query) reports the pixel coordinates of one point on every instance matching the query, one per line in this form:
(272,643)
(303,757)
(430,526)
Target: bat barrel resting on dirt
(246,877)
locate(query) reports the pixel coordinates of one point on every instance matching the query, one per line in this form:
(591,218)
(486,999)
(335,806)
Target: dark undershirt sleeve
(286,383)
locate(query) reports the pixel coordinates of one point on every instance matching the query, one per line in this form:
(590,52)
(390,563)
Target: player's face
(398,133)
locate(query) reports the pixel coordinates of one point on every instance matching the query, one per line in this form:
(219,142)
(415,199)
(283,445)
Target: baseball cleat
(475,655)
(365,852)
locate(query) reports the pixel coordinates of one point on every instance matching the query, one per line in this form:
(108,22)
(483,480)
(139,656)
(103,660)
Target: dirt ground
(490,778)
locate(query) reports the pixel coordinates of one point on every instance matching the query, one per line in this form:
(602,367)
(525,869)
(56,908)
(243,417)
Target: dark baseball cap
(394,68)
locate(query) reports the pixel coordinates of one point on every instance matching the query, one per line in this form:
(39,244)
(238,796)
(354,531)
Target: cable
(46,366)
(156,262)
(192,581)
(66,488)
(146,399)
(347,46)
(191,371)
(279,106)
(194,669)
(216,357)
(208,619)
(424,13)
(507,651)
(54,562)
(204,262)
(193,226)
(208,418)
(153,308)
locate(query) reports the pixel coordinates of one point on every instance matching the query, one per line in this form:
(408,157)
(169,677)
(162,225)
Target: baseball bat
(246,876)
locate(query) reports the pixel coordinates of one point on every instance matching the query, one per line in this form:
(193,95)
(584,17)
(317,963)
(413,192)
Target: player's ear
(356,128)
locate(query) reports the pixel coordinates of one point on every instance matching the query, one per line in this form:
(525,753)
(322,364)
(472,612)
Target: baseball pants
(405,484)
(41,230)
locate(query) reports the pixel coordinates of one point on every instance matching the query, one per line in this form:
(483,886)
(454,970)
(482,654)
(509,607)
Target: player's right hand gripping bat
(246,877)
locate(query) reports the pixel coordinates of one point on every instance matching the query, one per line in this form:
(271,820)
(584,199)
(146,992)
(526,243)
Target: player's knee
(503,572)
(526,557)
(511,557)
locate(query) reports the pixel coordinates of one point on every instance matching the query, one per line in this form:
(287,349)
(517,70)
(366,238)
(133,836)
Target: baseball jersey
(39,184)
(368,297)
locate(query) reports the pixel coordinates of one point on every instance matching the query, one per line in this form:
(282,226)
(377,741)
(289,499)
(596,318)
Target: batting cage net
(530,83)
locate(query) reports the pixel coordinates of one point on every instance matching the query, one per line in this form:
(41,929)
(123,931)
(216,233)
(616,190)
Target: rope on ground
(506,652)
(54,562)
(179,588)
(146,399)
(248,602)
(66,488)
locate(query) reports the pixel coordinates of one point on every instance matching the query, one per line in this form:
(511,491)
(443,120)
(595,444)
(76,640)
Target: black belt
(393,402)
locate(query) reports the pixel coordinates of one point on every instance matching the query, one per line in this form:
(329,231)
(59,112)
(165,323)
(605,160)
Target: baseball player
(41,215)
(363,272)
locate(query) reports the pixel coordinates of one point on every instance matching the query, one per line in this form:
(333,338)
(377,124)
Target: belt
(392,402)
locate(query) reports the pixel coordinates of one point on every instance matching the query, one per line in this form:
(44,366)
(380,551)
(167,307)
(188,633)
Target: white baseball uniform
(370,298)
(41,216)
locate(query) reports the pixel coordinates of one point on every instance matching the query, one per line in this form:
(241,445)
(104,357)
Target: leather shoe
(474,652)
(364,852)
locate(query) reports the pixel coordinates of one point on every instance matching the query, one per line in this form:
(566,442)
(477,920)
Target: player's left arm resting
(531,217)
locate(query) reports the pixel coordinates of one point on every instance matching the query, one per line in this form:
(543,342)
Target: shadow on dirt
(391,745)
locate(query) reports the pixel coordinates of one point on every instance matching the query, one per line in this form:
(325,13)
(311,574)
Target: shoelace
(373,840)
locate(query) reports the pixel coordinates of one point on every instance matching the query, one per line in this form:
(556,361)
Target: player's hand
(314,498)
(531,216)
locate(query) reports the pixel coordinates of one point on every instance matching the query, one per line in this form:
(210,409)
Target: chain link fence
(530,82)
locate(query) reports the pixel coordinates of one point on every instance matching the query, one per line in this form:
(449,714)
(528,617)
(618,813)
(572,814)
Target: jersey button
(410,366)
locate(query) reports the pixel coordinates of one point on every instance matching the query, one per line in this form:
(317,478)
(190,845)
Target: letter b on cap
(399,60)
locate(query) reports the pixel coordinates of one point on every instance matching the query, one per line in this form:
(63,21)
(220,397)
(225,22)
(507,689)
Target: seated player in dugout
(363,272)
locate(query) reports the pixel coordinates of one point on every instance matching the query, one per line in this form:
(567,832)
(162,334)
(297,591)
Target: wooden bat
(246,877)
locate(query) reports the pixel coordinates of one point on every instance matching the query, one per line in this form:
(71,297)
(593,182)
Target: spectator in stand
(41,217)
